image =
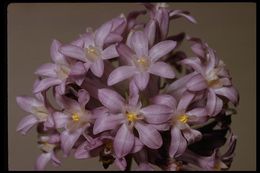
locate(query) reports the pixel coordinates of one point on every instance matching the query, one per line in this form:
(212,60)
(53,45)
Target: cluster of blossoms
(125,92)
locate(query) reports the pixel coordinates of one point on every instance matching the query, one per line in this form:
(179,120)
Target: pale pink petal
(28,103)
(138,145)
(149,136)
(156,114)
(48,70)
(120,74)
(139,43)
(162,69)
(78,69)
(225,81)
(164,26)
(56,56)
(42,161)
(107,122)
(111,99)
(211,102)
(73,52)
(124,141)
(161,49)
(191,135)
(161,127)
(165,99)
(81,152)
(70,104)
(133,93)
(110,52)
(26,124)
(83,97)
(197,83)
(113,38)
(228,92)
(218,106)
(45,84)
(141,80)
(178,143)
(150,30)
(60,119)
(97,68)
(125,52)
(195,63)
(68,140)
(197,115)
(121,163)
(185,101)
(101,34)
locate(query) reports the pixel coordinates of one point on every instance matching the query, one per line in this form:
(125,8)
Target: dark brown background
(229,28)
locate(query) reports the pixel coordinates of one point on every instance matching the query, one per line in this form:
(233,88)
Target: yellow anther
(92,53)
(75,117)
(131,116)
(183,118)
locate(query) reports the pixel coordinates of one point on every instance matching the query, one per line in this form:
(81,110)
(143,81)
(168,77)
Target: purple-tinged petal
(120,74)
(164,26)
(101,34)
(88,39)
(162,69)
(197,115)
(55,161)
(191,135)
(26,124)
(138,145)
(149,136)
(133,93)
(107,122)
(125,52)
(131,18)
(83,97)
(97,68)
(178,143)
(139,43)
(218,106)
(42,161)
(49,123)
(177,13)
(156,114)
(61,88)
(68,140)
(228,92)
(141,80)
(70,104)
(46,83)
(56,56)
(111,99)
(113,38)
(81,152)
(185,101)
(119,24)
(60,119)
(73,52)
(142,160)
(78,69)
(161,127)
(124,141)
(161,49)
(195,63)
(211,102)
(197,83)
(110,52)
(165,99)
(48,70)
(28,103)
(225,81)
(150,30)
(121,163)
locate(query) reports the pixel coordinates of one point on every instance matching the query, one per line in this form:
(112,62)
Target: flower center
(75,117)
(63,72)
(131,116)
(142,63)
(213,80)
(183,118)
(92,53)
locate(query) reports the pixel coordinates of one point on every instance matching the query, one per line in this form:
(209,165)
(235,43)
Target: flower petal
(60,119)
(185,101)
(162,69)
(45,84)
(149,136)
(139,43)
(78,69)
(111,99)
(165,99)
(113,38)
(150,30)
(164,26)
(48,70)
(230,93)
(120,74)
(42,161)
(124,141)
(28,103)
(107,122)
(197,83)
(121,163)
(138,145)
(156,114)
(110,52)
(97,68)
(211,102)
(133,93)
(197,115)
(191,135)
(218,106)
(56,56)
(161,49)
(68,140)
(83,97)
(178,143)
(125,52)
(26,124)
(141,80)
(73,52)
(101,34)
(195,63)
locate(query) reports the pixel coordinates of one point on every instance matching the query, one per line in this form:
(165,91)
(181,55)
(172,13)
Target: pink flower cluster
(127,92)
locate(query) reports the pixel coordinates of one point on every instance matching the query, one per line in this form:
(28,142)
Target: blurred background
(229,28)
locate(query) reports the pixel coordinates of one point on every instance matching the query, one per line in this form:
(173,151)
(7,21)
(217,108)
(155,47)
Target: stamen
(75,117)
(143,63)
(92,53)
(183,118)
(131,116)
